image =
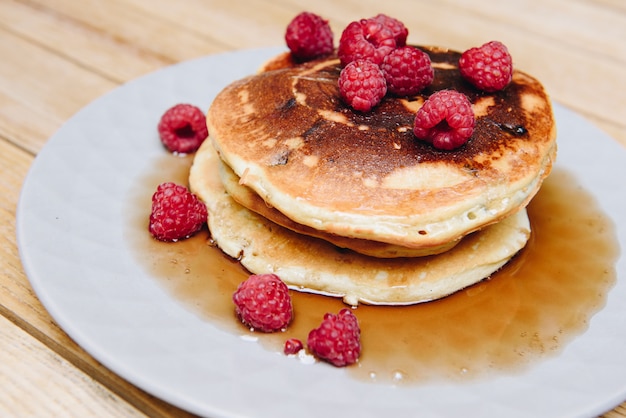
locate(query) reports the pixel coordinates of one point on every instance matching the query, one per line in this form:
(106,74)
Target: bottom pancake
(310,264)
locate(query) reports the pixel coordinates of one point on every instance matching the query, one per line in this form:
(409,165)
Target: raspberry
(309,36)
(263,302)
(293,346)
(182,128)
(365,39)
(407,71)
(446,120)
(176,213)
(488,67)
(362,85)
(337,340)
(399,31)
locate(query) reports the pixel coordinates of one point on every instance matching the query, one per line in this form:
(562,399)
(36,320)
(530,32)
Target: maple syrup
(530,309)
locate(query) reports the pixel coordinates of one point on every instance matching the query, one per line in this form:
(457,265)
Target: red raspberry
(263,302)
(308,36)
(489,67)
(293,346)
(446,120)
(400,32)
(337,340)
(182,128)
(176,213)
(407,71)
(365,39)
(362,85)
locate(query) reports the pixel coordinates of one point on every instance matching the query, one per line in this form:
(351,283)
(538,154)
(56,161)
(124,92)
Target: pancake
(250,200)
(289,138)
(309,264)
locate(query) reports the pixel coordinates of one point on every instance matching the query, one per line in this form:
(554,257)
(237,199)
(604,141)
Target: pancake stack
(350,204)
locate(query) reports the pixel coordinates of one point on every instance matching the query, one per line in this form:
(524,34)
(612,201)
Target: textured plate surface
(70,226)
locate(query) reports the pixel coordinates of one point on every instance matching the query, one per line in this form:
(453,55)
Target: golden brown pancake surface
(289,137)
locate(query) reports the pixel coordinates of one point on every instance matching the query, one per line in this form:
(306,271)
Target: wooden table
(59,55)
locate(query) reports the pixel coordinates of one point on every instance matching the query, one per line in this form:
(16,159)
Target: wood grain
(28,369)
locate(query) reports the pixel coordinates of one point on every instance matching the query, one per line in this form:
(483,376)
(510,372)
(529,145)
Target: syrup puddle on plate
(527,311)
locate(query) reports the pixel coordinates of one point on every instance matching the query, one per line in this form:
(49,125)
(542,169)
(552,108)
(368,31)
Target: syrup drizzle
(528,311)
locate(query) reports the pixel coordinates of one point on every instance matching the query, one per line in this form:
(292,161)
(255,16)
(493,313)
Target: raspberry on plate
(182,128)
(488,67)
(362,85)
(176,213)
(365,39)
(293,346)
(446,120)
(407,71)
(263,302)
(309,36)
(399,31)
(337,340)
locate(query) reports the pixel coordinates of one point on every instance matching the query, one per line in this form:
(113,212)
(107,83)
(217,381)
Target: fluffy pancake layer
(247,198)
(289,138)
(311,264)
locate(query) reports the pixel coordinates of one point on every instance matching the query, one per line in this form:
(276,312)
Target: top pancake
(289,137)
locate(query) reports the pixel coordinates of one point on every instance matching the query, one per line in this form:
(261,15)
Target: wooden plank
(128,25)
(38,91)
(618,6)
(28,369)
(96,51)
(619,412)
(23,125)
(583,27)
(230,23)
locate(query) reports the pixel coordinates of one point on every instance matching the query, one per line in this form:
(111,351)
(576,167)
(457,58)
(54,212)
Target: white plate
(71,237)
